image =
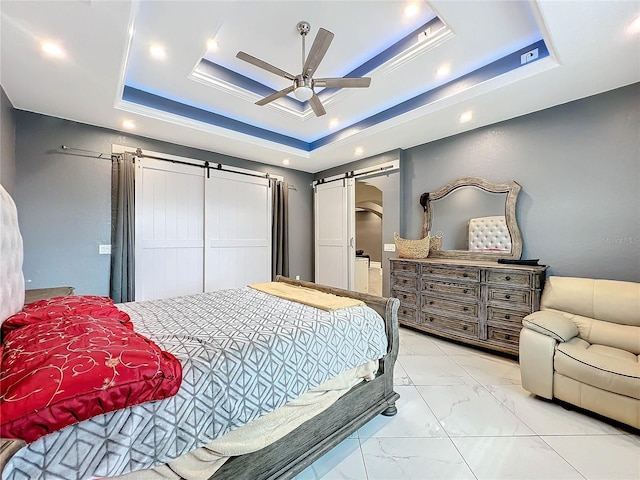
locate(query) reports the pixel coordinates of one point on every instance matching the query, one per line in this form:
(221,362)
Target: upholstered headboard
(11,277)
(489,234)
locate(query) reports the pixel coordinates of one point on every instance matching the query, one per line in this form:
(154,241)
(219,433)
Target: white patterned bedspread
(244,353)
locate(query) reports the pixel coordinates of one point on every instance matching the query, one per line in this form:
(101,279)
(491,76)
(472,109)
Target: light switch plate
(389,247)
(104,249)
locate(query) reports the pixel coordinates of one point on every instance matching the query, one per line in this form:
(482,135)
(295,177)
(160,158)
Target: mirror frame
(512,189)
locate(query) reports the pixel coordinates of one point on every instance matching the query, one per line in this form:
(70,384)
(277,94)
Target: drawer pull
(404,296)
(431,319)
(507,297)
(508,317)
(431,286)
(430,271)
(431,302)
(466,309)
(507,337)
(507,278)
(465,275)
(404,312)
(404,281)
(465,290)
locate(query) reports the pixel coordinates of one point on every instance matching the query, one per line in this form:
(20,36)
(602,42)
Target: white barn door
(237,230)
(334,208)
(169,229)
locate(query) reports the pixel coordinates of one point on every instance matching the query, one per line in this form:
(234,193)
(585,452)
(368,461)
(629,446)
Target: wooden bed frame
(293,453)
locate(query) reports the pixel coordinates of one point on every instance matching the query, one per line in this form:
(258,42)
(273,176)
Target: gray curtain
(122,228)
(280,229)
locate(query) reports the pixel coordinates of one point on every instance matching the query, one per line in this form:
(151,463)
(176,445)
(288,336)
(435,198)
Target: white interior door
(334,208)
(237,230)
(169,229)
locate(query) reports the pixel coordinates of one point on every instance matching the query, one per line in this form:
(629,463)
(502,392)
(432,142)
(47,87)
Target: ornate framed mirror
(476,217)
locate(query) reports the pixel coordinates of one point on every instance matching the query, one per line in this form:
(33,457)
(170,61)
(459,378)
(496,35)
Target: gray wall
(64,201)
(369,234)
(7,143)
(579,168)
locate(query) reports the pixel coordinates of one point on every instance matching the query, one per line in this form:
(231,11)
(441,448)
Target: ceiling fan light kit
(303,84)
(303,88)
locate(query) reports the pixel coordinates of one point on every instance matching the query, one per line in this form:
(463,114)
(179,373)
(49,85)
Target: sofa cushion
(608,300)
(600,366)
(597,332)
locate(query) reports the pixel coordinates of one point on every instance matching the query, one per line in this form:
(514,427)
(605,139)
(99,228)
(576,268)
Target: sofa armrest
(551,324)
(536,362)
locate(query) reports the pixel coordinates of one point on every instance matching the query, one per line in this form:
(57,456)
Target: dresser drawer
(504,315)
(404,267)
(469,291)
(465,274)
(466,328)
(408,314)
(404,282)
(520,298)
(406,298)
(431,304)
(504,336)
(519,279)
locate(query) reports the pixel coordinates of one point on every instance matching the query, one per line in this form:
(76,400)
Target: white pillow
(11,277)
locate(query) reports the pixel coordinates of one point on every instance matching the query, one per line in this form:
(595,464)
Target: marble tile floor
(463,414)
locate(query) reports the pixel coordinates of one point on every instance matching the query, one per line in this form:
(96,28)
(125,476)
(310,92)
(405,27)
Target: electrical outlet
(389,247)
(530,56)
(104,249)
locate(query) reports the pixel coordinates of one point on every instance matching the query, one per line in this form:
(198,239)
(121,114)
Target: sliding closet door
(237,230)
(334,207)
(169,229)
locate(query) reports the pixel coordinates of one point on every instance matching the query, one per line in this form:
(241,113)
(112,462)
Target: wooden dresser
(481,303)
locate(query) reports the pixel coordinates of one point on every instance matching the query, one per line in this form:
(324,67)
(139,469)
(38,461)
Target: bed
(295,445)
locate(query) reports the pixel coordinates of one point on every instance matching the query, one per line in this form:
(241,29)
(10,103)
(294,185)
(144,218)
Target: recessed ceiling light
(443,70)
(157,52)
(212,45)
(128,124)
(466,116)
(285,161)
(333,122)
(54,50)
(359,151)
(634,26)
(410,10)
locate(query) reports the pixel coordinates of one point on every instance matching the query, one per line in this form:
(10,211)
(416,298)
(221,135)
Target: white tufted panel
(11,277)
(489,234)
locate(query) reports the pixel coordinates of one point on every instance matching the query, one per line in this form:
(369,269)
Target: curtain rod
(106,156)
(207,165)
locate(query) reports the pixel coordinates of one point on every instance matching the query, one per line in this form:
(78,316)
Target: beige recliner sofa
(582,347)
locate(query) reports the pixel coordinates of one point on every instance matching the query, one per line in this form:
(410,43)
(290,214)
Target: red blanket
(62,370)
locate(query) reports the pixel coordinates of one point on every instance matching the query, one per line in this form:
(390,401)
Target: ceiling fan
(303,84)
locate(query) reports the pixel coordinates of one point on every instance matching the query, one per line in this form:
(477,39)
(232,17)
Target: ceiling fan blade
(264,65)
(275,96)
(316,106)
(318,50)
(349,82)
